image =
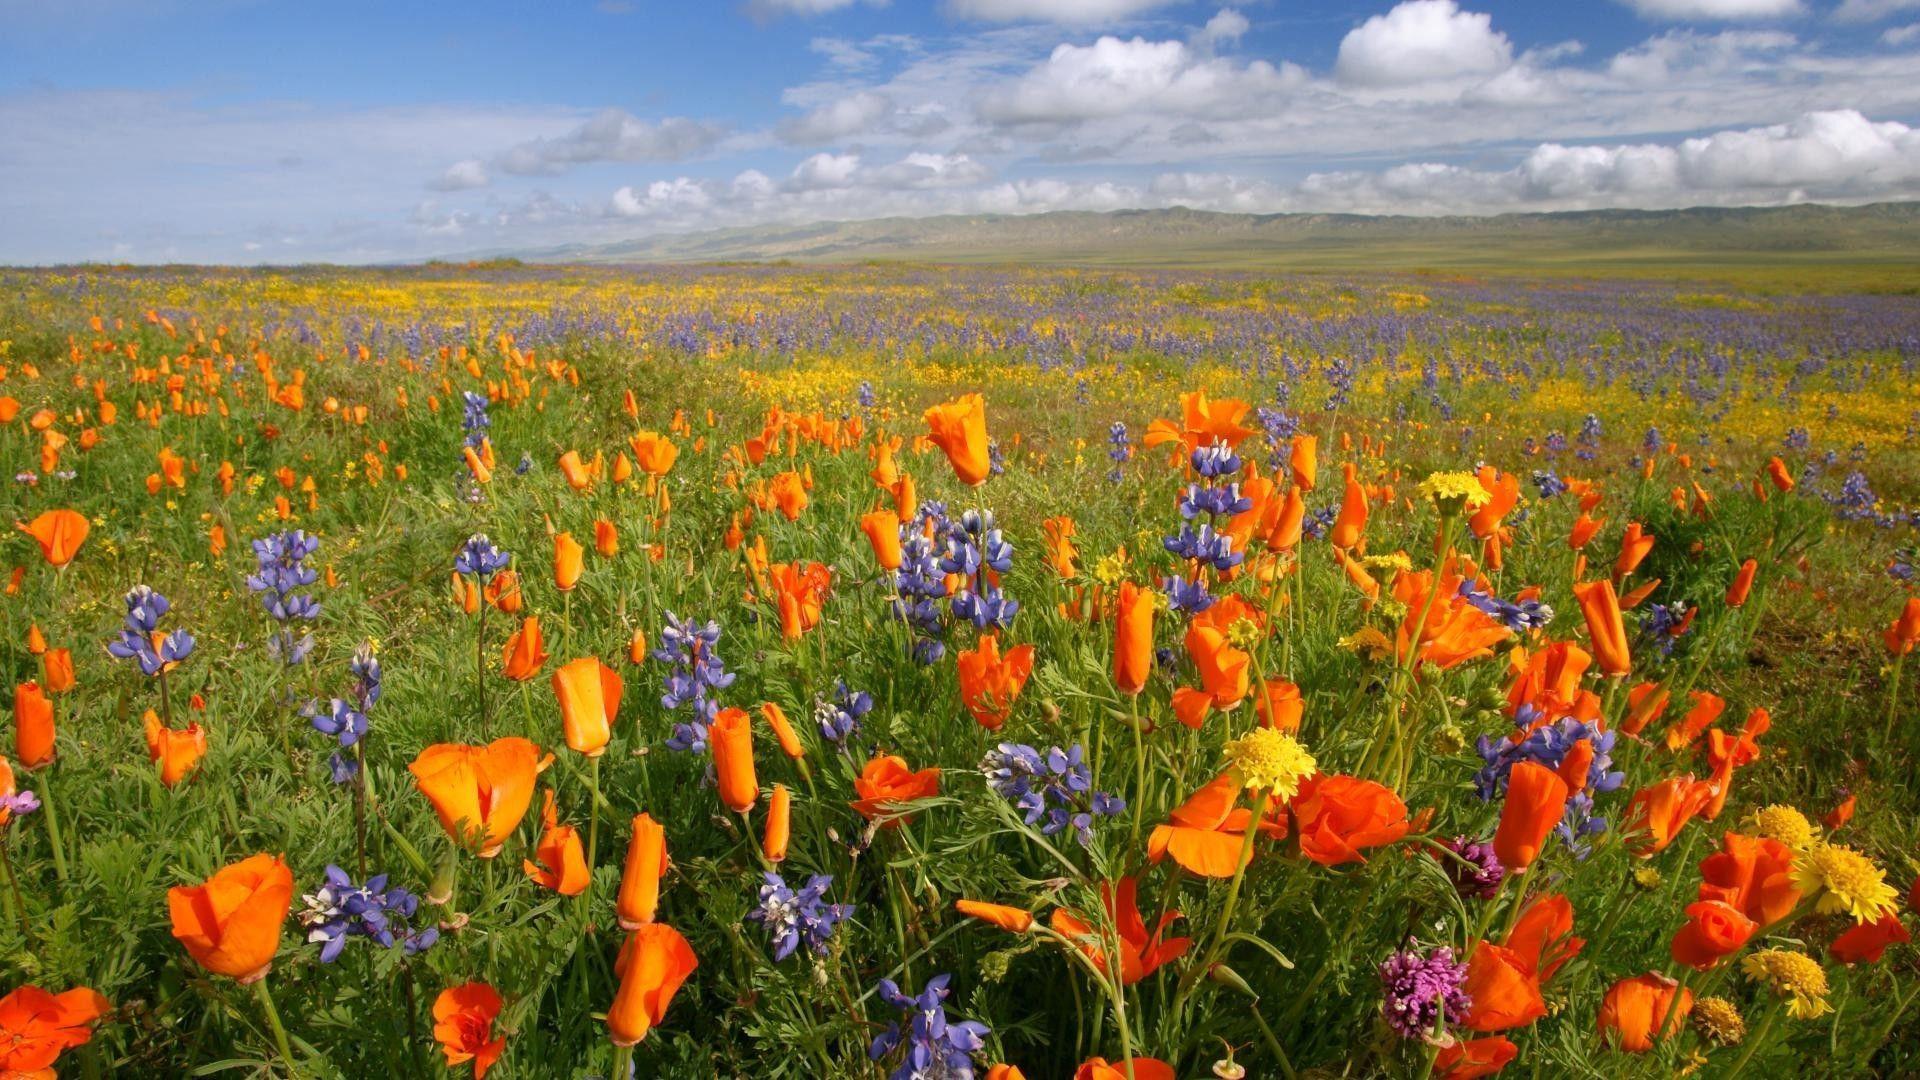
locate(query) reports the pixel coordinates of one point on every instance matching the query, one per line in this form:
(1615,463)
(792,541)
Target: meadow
(943,672)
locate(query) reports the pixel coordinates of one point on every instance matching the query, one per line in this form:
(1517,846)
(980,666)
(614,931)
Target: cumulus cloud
(1900,35)
(612,135)
(1718,10)
(1422,41)
(837,119)
(1056,11)
(1114,77)
(1865,11)
(1225,27)
(462,175)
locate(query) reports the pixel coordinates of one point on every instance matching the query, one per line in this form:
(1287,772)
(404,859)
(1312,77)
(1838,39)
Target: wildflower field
(928,672)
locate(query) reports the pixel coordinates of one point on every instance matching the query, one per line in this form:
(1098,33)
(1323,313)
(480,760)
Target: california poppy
(883,534)
(1279,705)
(606,538)
(1339,816)
(959,429)
(1714,930)
(1605,627)
(463,1019)
(1139,1068)
(1754,874)
(177,753)
(1742,583)
(1657,813)
(1133,638)
(231,924)
(653,452)
(1207,834)
(59,534)
(562,864)
(1504,988)
(1635,1008)
(783,732)
(589,693)
(575,471)
(480,793)
(731,736)
(1905,631)
(885,782)
(1303,460)
(1351,524)
(1203,421)
(646,864)
(1011,919)
(36,1026)
(1224,669)
(779,824)
(989,683)
(1635,544)
(568,561)
(33,737)
(1536,799)
(653,963)
(525,653)
(1865,943)
(1141,953)
(1470,1059)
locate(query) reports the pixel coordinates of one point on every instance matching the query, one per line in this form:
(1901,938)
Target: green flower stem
(273,1021)
(44,781)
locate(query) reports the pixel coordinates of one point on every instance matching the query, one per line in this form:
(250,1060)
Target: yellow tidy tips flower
(1396,561)
(1719,1021)
(1794,976)
(1110,569)
(1453,492)
(1271,761)
(1845,881)
(1367,642)
(1782,823)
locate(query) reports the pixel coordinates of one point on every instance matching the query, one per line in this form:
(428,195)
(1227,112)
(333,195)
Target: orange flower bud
(731,736)
(231,924)
(589,693)
(646,864)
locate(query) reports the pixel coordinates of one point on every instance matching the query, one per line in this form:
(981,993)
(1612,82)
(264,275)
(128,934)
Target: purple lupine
(792,919)
(280,569)
(973,548)
(1055,784)
(137,641)
(692,653)
(839,716)
(935,1046)
(480,558)
(339,909)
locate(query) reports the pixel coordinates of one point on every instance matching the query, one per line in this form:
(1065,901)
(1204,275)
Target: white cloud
(1900,35)
(839,118)
(1225,27)
(1055,11)
(925,170)
(1716,10)
(462,175)
(612,135)
(1422,41)
(1113,77)
(1865,11)
(824,171)
(1683,53)
(773,8)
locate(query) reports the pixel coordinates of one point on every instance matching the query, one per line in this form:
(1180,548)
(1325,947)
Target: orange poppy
(1714,930)
(562,864)
(1203,422)
(1504,987)
(1207,832)
(1338,816)
(1778,474)
(731,736)
(577,475)
(1141,953)
(569,562)
(1742,586)
(959,429)
(36,1026)
(1837,818)
(33,736)
(653,963)
(646,864)
(653,452)
(1279,705)
(637,646)
(1905,631)
(1705,708)
(1635,544)
(177,753)
(480,793)
(779,824)
(1133,638)
(589,693)
(1060,551)
(59,534)
(1224,669)
(1536,799)
(1352,523)
(606,538)
(885,782)
(1656,814)
(1454,632)
(59,665)
(1605,627)
(1585,527)
(503,592)
(1542,938)
(526,651)
(1470,1059)
(1646,703)
(989,684)
(1754,874)
(1138,1068)
(463,1019)
(883,534)
(1011,919)
(1634,1009)
(1303,460)
(231,924)
(783,732)
(1865,943)
(799,591)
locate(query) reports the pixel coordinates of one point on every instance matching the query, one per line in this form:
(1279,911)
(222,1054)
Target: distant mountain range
(1883,233)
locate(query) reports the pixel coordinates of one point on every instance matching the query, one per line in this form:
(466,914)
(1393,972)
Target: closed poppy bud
(1584,529)
(1635,544)
(1905,631)
(1133,638)
(1351,524)
(646,864)
(231,924)
(883,533)
(175,753)
(783,732)
(33,726)
(589,693)
(1279,705)
(1778,474)
(1605,626)
(481,473)
(36,641)
(1714,931)
(959,429)
(1536,799)
(526,652)
(731,736)
(1838,817)
(562,864)
(568,562)
(637,647)
(575,471)
(1742,584)
(606,538)
(59,664)
(1470,1059)
(1304,460)
(779,824)
(466,595)
(59,534)
(1012,919)
(463,1019)
(1634,1009)
(653,963)
(480,793)
(503,592)
(1573,768)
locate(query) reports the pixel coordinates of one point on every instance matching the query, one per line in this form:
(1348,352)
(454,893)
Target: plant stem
(273,1021)
(53,823)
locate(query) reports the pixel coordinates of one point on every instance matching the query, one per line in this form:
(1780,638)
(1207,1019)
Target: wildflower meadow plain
(918,672)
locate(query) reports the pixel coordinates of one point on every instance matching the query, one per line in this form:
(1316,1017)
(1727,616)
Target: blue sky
(256,131)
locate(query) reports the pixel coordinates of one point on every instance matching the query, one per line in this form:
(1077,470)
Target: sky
(253,131)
